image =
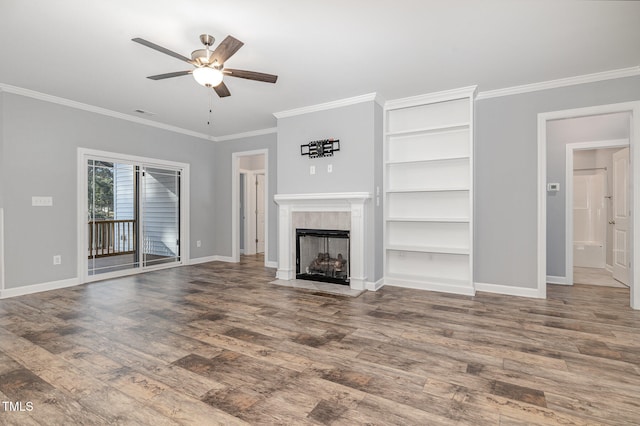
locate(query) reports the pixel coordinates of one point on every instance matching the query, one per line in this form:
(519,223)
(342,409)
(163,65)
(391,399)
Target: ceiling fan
(209,65)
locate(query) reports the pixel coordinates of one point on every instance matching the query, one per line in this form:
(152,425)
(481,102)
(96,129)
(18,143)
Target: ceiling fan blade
(222,90)
(251,75)
(162,49)
(226,49)
(169,75)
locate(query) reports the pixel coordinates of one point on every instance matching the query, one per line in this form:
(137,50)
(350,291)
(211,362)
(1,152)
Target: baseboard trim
(557,280)
(37,288)
(271,264)
(199,260)
(374,286)
(508,290)
(208,259)
(420,285)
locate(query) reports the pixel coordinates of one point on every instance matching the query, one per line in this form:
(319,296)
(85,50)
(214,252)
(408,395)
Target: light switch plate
(553,187)
(312,170)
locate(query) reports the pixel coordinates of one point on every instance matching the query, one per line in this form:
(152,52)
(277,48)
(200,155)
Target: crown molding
(252,133)
(445,95)
(98,110)
(331,105)
(562,82)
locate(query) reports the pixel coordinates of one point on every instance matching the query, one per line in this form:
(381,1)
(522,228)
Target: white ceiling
(321,50)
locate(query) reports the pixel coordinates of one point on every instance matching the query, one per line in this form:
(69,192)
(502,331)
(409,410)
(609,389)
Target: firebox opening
(322,255)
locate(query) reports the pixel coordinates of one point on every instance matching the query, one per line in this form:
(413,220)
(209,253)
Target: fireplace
(323,255)
(344,210)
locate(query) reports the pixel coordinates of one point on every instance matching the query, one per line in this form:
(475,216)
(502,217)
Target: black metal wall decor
(323,148)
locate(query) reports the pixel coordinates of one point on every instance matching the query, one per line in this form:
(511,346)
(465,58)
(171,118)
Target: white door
(621,215)
(260,213)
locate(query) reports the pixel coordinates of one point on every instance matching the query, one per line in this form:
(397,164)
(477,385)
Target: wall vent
(141,111)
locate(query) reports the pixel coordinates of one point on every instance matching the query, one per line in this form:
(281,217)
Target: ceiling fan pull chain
(210,110)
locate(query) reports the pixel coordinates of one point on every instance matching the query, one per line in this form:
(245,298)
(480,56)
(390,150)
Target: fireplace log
(324,263)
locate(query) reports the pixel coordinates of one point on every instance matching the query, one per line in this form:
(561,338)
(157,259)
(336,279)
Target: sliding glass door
(133,212)
(160,216)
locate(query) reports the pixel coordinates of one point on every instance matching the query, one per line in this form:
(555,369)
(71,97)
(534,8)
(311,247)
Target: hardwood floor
(216,344)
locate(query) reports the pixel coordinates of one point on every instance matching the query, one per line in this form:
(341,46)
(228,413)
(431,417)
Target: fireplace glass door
(322,255)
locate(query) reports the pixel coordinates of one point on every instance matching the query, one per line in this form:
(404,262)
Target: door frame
(235,202)
(634,178)
(84,154)
(570,150)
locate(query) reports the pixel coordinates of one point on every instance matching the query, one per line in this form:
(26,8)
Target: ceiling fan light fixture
(207,76)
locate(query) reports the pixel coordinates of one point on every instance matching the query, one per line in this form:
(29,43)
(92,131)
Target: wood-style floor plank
(217,344)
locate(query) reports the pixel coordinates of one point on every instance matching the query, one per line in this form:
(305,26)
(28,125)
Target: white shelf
(422,249)
(431,160)
(431,129)
(428,219)
(396,191)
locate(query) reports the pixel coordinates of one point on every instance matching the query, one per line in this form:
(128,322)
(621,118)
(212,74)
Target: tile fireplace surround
(343,210)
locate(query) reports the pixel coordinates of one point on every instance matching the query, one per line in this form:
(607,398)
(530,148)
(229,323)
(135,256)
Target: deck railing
(111,237)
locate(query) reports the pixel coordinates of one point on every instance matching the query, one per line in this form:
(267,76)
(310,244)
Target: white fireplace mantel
(352,202)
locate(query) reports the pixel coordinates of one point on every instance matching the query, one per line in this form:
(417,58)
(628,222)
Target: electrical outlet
(57,259)
(330,168)
(198,243)
(42,201)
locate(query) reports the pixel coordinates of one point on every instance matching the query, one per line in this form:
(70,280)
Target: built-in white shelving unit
(429,191)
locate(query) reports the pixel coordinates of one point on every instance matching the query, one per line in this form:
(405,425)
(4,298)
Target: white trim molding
(446,95)
(353,202)
(242,135)
(98,110)
(374,286)
(430,286)
(199,260)
(331,105)
(207,259)
(508,290)
(559,280)
(561,82)
(37,288)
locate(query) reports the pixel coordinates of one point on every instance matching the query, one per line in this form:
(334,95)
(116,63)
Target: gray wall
(40,155)
(559,134)
(505,246)
(222,176)
(357,167)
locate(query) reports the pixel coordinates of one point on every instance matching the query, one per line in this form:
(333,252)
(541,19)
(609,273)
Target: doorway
(131,214)
(250,201)
(252,210)
(597,177)
(633,261)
